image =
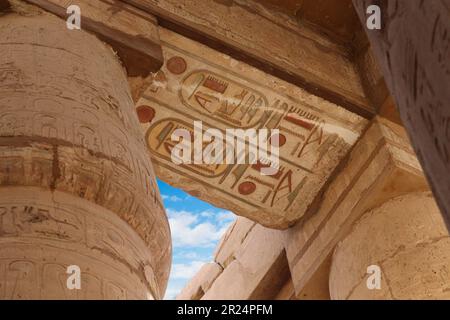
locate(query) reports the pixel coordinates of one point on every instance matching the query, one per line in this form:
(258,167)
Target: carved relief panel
(199,84)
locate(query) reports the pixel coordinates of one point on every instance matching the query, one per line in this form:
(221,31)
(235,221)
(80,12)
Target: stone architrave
(378,211)
(199,84)
(274,42)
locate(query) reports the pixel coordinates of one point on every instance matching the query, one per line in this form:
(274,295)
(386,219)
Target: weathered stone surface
(373,82)
(407,238)
(413,49)
(198,83)
(287,291)
(273,42)
(381,166)
(67,124)
(77,186)
(380,206)
(201,282)
(232,240)
(4,4)
(381,169)
(258,257)
(133,34)
(317,287)
(42,233)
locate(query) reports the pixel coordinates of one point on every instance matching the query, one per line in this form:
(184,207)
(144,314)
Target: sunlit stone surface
(199,84)
(76,182)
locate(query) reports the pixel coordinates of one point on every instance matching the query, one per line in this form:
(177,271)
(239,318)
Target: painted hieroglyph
(197,83)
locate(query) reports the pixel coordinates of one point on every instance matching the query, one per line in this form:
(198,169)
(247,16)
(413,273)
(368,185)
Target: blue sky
(196,228)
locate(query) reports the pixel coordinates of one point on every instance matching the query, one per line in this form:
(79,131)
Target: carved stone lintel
(315,135)
(296,54)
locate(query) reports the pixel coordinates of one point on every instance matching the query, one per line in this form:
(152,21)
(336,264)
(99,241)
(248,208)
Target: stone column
(76,183)
(407,238)
(412,49)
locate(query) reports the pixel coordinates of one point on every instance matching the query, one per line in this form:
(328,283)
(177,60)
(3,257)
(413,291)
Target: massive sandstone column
(412,49)
(407,238)
(76,183)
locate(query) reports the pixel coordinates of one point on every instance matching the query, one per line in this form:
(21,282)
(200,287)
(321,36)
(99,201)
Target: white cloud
(225,216)
(222,216)
(173,289)
(172,198)
(192,254)
(193,234)
(206,214)
(186,270)
(187,230)
(180,275)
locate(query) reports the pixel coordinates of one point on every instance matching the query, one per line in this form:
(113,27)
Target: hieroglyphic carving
(176,65)
(223,93)
(216,96)
(161,144)
(33,278)
(67,124)
(62,225)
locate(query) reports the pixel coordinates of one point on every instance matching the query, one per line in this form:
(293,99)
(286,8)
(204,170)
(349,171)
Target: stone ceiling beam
(380,167)
(133,34)
(197,83)
(377,211)
(248,32)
